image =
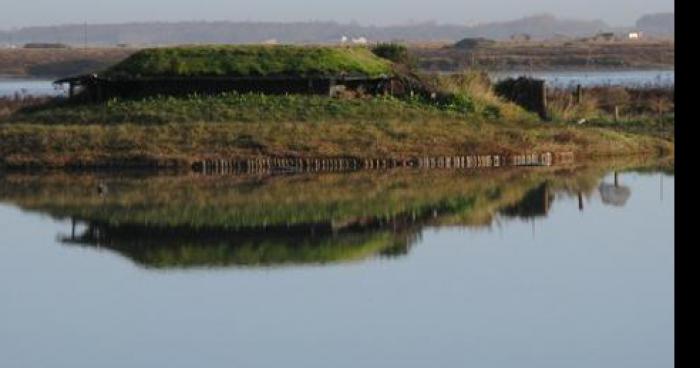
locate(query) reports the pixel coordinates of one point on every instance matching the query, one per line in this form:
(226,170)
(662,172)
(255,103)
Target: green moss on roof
(251,61)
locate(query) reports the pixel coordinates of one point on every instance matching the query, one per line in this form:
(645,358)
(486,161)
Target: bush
(459,103)
(392,51)
(609,97)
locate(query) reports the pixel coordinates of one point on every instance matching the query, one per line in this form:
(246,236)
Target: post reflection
(614,194)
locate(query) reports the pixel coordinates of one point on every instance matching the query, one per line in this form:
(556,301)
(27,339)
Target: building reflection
(187,247)
(191,222)
(329,241)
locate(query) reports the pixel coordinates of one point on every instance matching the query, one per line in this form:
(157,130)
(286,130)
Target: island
(179,107)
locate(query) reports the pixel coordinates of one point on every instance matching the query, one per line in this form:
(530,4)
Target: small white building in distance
(356,41)
(634,35)
(360,41)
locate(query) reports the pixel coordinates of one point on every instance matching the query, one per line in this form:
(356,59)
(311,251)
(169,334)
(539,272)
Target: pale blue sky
(20,13)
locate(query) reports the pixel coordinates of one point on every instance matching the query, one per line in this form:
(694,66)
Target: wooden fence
(340,164)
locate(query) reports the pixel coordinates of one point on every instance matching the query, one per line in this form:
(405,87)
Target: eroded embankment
(284,164)
(304,144)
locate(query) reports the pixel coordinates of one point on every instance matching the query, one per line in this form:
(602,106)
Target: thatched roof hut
(258,68)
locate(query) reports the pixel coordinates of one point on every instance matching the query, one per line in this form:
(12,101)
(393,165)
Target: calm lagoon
(542,267)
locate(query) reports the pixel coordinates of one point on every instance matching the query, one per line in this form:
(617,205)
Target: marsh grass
(234,107)
(649,106)
(181,144)
(476,86)
(177,131)
(11,104)
(462,97)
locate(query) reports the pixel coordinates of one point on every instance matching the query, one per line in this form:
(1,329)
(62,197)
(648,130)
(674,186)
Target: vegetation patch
(464,117)
(392,51)
(250,61)
(249,107)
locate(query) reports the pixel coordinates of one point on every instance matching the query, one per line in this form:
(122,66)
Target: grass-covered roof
(251,61)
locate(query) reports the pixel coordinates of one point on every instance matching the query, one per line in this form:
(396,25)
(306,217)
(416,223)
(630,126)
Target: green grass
(169,131)
(183,144)
(178,131)
(392,51)
(234,107)
(250,61)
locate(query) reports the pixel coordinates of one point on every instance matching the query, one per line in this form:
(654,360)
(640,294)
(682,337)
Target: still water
(625,78)
(28,87)
(557,79)
(543,267)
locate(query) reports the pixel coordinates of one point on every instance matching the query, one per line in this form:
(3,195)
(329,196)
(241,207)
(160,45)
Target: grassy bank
(649,111)
(233,107)
(177,132)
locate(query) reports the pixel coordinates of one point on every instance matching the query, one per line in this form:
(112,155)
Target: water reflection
(188,221)
(184,246)
(535,203)
(614,194)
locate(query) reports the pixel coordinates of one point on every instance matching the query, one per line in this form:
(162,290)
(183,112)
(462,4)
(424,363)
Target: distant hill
(538,26)
(659,24)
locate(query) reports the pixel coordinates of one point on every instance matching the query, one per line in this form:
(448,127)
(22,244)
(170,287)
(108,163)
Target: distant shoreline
(434,58)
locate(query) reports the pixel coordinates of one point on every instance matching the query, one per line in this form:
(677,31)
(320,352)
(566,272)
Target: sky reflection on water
(491,272)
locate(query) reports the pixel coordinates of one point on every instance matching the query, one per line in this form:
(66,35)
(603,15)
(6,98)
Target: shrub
(392,51)
(609,97)
(460,103)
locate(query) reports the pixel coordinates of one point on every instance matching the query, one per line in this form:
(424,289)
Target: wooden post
(580,202)
(579,94)
(617,113)
(543,102)
(331,84)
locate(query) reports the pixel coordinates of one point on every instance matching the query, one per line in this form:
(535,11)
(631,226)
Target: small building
(634,35)
(217,69)
(360,41)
